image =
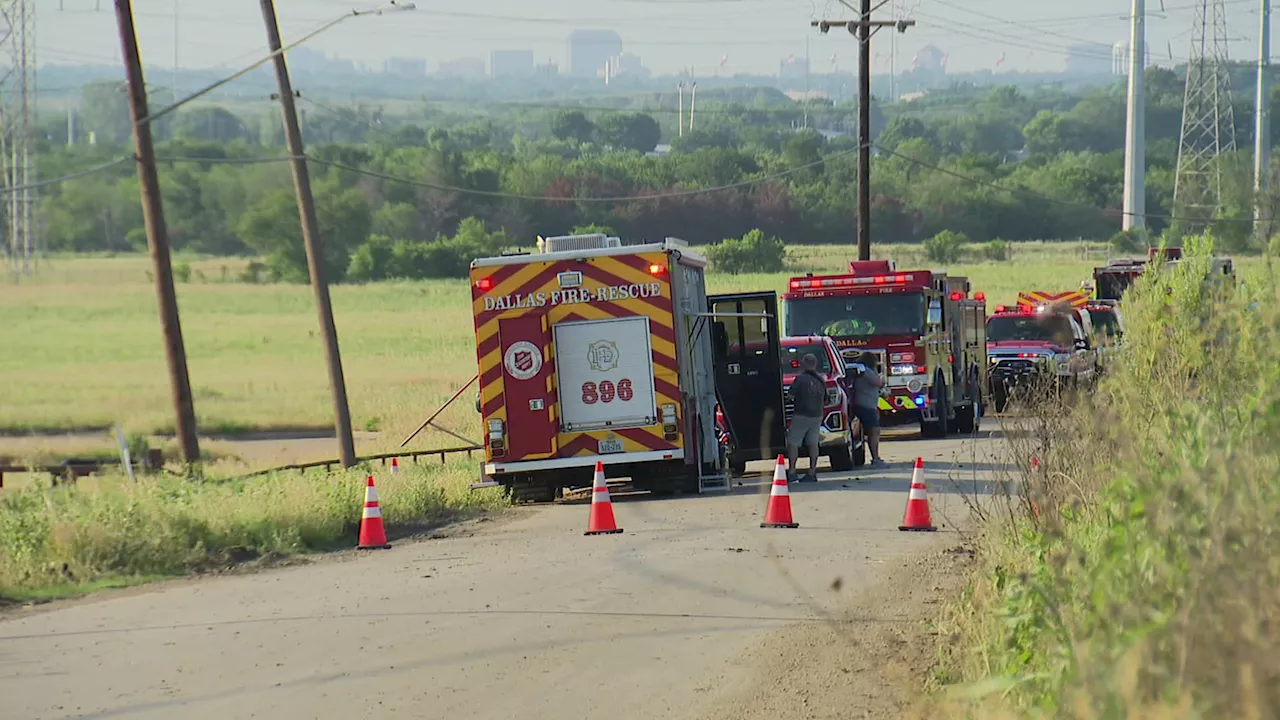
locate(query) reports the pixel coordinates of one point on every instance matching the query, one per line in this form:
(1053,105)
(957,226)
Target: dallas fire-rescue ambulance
(928,334)
(586,353)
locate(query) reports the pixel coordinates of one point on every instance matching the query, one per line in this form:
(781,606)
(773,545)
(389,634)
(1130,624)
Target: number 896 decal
(607,392)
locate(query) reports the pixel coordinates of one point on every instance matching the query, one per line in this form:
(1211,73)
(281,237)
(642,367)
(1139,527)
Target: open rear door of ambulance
(746,345)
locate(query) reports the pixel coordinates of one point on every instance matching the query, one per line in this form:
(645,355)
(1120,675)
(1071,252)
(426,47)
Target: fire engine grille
(1017,368)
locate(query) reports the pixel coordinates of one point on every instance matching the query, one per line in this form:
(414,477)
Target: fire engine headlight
(902,370)
(833,396)
(914,385)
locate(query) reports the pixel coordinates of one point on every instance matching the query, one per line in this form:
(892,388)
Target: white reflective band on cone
(781,489)
(371,494)
(918,494)
(372,512)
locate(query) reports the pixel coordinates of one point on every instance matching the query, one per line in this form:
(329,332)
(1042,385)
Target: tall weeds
(68,536)
(1139,574)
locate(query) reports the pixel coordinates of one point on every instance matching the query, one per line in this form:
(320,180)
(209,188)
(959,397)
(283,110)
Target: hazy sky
(749,35)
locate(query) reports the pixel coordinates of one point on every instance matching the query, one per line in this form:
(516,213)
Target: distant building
(1089,59)
(511,63)
(405,67)
(590,50)
(306,60)
(793,67)
(1120,57)
(547,70)
(930,59)
(469,67)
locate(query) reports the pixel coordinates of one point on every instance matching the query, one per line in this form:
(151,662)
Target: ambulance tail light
(956,296)
(980,296)
(670,422)
(657,270)
(496,438)
(484,284)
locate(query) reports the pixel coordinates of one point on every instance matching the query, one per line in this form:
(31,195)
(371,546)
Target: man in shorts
(808,395)
(866,398)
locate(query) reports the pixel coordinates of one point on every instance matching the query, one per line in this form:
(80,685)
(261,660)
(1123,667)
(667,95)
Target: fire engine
(926,332)
(591,350)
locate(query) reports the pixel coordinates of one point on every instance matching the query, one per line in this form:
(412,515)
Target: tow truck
(926,332)
(591,350)
(1036,348)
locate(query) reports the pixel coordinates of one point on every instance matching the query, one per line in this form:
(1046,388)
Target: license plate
(610,446)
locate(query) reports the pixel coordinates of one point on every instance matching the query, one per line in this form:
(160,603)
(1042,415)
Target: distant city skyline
(713,37)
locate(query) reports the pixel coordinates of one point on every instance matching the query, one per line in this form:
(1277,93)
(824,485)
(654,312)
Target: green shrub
(1127,242)
(381,258)
(946,247)
(182,272)
(1134,575)
(754,252)
(996,251)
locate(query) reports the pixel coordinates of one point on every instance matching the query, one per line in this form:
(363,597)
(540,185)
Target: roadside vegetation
(67,540)
(1136,574)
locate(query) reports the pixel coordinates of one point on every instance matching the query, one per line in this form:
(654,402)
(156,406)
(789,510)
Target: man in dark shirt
(808,394)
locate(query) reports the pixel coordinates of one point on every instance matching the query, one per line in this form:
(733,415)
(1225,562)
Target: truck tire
(937,429)
(842,459)
(969,417)
(860,455)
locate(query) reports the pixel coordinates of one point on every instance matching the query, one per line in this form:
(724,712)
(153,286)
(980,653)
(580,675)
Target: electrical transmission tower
(1208,122)
(17,132)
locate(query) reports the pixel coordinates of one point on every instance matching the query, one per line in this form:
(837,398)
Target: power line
(64,178)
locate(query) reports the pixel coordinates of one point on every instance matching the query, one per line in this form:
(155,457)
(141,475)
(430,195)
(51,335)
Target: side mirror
(935,312)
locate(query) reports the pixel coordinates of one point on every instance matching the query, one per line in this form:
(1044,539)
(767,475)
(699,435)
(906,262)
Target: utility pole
(864,27)
(1262,124)
(311,238)
(1135,155)
(157,236)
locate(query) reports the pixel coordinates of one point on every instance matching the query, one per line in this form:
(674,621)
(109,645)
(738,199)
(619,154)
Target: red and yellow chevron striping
(512,297)
(1075,298)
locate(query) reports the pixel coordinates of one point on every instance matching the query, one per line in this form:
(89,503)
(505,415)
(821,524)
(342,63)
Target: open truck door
(746,349)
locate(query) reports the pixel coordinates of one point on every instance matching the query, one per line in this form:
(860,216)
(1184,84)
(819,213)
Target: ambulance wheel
(860,455)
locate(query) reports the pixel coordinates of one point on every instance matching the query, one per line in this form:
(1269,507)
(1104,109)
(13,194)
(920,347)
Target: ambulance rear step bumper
(494,468)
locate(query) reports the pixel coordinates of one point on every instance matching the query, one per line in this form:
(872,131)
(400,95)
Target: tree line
(989,164)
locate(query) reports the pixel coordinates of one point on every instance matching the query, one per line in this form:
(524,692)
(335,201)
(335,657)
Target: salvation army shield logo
(523,360)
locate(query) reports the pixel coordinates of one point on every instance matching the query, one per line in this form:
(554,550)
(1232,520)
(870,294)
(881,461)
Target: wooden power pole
(311,239)
(863,28)
(157,236)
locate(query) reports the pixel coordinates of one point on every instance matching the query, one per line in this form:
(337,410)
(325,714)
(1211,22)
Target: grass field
(82,346)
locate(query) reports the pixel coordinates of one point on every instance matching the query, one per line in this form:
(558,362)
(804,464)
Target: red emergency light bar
(815,283)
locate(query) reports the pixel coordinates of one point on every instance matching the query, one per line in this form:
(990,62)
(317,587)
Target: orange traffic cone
(917,516)
(372,535)
(395,465)
(601,521)
(778,514)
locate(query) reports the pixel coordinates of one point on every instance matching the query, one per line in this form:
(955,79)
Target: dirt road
(517,617)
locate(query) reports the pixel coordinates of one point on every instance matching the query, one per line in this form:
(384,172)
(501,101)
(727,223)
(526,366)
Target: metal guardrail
(382,458)
(71,470)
